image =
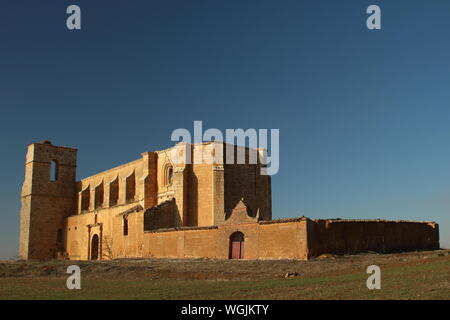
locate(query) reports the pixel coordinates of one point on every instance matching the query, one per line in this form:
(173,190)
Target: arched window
(54,170)
(169,175)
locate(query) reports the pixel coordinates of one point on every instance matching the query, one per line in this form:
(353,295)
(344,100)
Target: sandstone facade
(152,207)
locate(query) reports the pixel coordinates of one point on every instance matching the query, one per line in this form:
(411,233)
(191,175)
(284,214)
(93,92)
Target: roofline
(50,145)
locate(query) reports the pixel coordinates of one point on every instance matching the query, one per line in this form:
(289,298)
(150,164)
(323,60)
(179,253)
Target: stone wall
(299,238)
(263,240)
(353,236)
(161,216)
(106,223)
(47,198)
(117,186)
(200,196)
(286,240)
(153,208)
(244,181)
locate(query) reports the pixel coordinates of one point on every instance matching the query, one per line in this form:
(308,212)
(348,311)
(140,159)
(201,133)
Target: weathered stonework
(153,208)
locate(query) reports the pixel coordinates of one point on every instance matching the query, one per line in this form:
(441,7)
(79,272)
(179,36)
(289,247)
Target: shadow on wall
(349,237)
(240,184)
(162,216)
(192,217)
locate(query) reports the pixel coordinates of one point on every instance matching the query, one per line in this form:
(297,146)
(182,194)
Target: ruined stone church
(152,208)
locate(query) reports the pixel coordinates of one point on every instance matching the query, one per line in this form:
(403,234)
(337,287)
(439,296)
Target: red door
(237,246)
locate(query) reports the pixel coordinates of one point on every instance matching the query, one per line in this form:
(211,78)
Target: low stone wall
(161,216)
(354,236)
(284,240)
(299,238)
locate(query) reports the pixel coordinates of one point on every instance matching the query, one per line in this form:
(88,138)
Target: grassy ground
(424,275)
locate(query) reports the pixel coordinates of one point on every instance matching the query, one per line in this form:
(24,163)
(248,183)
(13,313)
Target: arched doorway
(94,247)
(237,245)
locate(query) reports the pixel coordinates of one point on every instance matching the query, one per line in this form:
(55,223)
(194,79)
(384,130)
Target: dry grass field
(414,275)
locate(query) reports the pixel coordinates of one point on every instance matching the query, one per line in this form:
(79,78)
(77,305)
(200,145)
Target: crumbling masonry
(154,208)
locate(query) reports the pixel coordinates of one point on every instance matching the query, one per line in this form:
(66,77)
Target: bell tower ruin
(48,196)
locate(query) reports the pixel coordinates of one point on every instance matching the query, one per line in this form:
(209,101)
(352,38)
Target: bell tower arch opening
(54,170)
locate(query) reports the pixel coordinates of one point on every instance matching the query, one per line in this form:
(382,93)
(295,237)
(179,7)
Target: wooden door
(237,246)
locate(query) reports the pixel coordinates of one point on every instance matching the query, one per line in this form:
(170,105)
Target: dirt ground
(207,269)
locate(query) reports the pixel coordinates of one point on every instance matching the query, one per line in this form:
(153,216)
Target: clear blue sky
(364,116)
